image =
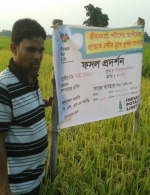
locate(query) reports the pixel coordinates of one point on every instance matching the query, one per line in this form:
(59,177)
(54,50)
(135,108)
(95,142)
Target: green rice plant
(146,61)
(99,158)
(5,43)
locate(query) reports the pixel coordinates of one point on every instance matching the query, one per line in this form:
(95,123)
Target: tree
(95,17)
(146,37)
(5,33)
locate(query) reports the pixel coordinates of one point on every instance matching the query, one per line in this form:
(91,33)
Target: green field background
(101,158)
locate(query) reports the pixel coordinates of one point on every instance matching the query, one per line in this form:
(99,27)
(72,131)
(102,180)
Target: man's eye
(30,49)
(41,51)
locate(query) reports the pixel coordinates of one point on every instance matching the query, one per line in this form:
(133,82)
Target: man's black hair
(26,29)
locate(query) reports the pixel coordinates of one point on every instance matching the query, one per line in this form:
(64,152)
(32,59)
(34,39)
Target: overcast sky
(121,13)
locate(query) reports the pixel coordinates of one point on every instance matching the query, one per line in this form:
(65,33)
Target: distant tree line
(94,17)
(49,36)
(8,33)
(5,33)
(146,37)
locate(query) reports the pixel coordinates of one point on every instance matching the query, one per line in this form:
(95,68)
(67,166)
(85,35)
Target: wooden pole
(55,120)
(54,135)
(136,114)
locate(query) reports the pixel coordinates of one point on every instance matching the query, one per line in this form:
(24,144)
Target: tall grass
(146,61)
(101,158)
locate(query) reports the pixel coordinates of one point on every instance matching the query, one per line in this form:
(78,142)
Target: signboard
(97,72)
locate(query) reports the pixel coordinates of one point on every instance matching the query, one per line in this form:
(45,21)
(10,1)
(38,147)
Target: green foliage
(146,37)
(4,42)
(48,46)
(146,61)
(95,17)
(99,158)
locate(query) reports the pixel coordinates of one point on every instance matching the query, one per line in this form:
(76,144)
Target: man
(23,135)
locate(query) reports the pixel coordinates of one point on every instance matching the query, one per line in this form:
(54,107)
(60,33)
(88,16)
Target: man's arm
(4,184)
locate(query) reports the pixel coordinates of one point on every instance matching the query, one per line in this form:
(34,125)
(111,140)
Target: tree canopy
(95,17)
(146,37)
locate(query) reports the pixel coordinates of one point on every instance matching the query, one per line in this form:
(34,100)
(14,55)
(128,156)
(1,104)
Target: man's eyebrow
(32,47)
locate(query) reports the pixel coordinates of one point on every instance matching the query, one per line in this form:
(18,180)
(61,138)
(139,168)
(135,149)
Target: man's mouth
(36,65)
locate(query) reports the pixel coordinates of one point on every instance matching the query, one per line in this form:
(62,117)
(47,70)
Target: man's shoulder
(6,77)
(4,71)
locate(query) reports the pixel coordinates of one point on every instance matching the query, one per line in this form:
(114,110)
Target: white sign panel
(97,72)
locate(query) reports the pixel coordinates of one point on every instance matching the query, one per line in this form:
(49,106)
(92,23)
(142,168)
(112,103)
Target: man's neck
(25,73)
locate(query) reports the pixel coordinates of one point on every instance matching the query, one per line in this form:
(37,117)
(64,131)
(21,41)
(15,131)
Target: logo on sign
(64,37)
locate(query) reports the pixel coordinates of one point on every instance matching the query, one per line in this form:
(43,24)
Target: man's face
(28,55)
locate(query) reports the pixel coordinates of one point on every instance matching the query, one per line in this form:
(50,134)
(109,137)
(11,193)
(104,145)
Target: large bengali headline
(113,40)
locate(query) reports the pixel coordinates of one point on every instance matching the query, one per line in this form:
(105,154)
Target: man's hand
(6,192)
(49,101)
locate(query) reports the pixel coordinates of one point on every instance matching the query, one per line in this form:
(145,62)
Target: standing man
(23,134)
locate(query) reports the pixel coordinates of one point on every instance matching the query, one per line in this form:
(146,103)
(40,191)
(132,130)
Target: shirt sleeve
(5,108)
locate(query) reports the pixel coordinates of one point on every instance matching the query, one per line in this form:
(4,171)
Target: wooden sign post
(55,120)
(136,121)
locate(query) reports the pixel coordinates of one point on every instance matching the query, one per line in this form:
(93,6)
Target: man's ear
(13,48)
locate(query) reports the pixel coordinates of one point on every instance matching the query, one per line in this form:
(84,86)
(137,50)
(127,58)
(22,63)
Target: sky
(121,13)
